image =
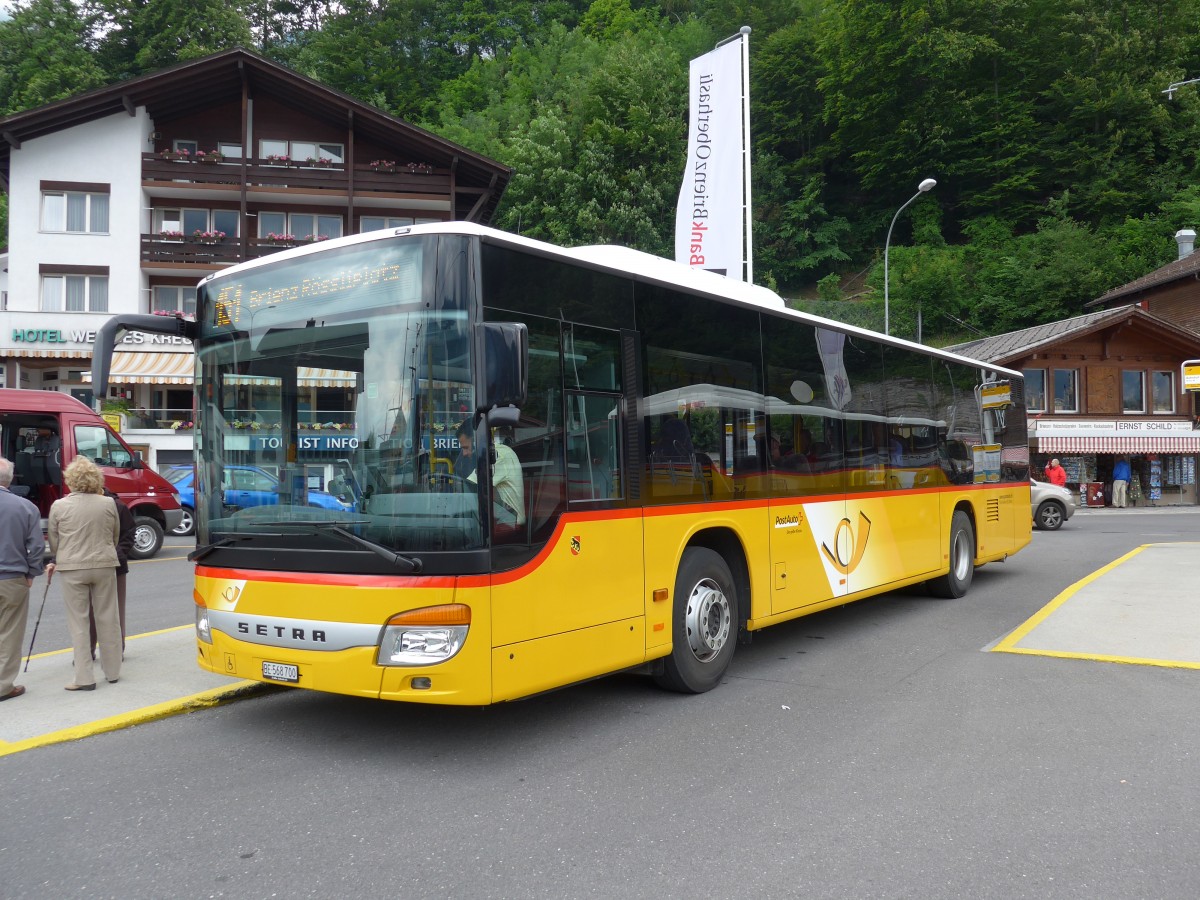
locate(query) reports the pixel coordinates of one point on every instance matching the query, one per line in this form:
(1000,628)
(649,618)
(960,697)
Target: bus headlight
(203,629)
(426,636)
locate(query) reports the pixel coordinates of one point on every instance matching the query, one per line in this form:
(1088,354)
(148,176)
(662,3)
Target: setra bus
(555,464)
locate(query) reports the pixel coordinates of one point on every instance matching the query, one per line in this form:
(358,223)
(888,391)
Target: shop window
(1035,390)
(1133,392)
(1163,384)
(1066,390)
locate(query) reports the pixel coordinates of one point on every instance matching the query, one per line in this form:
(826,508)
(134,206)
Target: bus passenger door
(807,506)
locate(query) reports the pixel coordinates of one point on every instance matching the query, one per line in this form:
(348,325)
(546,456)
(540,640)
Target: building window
(301,226)
(173,299)
(302,150)
(378,223)
(229,150)
(1035,390)
(1133,392)
(179,146)
(74,213)
(1164,391)
(1066,390)
(74,293)
(189,221)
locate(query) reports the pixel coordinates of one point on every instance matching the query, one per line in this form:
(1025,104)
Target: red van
(42,431)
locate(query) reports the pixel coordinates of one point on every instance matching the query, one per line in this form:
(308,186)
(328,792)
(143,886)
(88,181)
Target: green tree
(134,37)
(44,55)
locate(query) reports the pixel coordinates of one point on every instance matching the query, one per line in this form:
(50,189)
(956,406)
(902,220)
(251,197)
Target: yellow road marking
(1009,643)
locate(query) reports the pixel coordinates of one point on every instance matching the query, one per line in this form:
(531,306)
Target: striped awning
(149,368)
(1131,444)
(326,378)
(43,353)
(306,376)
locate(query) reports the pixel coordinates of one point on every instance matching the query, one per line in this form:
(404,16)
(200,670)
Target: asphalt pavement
(1139,609)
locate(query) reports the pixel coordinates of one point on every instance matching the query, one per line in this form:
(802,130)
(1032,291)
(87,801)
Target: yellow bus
(489,467)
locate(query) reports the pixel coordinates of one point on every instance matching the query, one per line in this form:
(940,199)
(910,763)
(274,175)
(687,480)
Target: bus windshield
(333,390)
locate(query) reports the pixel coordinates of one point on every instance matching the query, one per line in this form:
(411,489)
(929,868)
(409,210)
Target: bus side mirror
(502,349)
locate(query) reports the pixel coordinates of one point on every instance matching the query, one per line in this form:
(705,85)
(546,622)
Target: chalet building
(1105,385)
(121,199)
(1171,292)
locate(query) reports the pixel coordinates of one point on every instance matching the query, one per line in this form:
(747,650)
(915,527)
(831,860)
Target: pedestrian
(84,531)
(124,545)
(21,551)
(1056,474)
(1121,476)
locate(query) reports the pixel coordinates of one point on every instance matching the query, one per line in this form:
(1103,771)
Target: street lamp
(1174,86)
(927,185)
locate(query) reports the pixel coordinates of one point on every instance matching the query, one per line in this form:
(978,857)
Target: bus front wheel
(957,581)
(704,623)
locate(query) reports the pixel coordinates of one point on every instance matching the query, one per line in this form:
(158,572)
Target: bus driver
(507,482)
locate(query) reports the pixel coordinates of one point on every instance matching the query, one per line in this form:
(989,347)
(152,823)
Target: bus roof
(623,261)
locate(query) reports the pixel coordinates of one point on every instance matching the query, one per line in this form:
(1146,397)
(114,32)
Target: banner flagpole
(749,262)
(715,191)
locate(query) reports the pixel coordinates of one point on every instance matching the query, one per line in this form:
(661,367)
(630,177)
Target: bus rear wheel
(957,581)
(704,623)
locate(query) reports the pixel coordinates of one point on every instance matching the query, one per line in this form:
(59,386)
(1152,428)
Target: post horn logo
(231,594)
(855,546)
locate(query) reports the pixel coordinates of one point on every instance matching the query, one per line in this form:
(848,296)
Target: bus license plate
(281,672)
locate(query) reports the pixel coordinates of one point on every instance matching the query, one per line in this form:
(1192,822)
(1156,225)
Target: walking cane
(36,624)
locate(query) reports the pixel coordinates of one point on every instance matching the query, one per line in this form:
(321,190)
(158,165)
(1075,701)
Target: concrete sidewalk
(158,678)
(1142,608)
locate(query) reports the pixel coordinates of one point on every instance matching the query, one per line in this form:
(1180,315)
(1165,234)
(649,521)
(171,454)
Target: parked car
(1052,505)
(245,486)
(42,431)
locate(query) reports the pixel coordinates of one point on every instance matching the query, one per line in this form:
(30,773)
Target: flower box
(176,155)
(383,165)
(209,156)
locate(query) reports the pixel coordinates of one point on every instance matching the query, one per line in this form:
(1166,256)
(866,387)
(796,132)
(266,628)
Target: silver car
(1052,505)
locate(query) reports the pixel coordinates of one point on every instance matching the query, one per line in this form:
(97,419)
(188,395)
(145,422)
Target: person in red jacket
(1056,474)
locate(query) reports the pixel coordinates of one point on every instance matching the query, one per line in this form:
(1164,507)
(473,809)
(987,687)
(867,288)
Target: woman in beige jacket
(83,532)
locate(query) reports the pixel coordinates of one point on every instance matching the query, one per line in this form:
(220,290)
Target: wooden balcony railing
(401,179)
(224,252)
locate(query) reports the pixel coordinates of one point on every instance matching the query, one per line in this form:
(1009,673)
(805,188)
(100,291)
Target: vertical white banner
(710,223)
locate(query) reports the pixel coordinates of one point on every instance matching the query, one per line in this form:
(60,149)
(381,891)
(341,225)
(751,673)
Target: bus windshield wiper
(411,563)
(200,552)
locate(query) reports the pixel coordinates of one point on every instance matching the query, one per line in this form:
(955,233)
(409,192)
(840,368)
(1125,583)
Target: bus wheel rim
(708,620)
(962,556)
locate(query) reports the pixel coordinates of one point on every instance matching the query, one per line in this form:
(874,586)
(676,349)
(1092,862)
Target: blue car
(245,486)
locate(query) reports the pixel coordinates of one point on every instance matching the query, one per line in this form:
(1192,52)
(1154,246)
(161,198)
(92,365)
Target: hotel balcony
(296,181)
(348,190)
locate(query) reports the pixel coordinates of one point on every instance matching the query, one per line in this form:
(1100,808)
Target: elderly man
(1056,474)
(21,550)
